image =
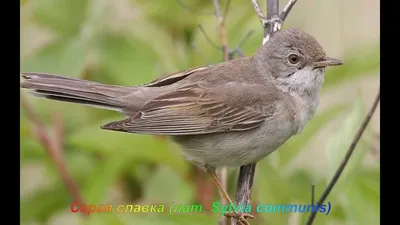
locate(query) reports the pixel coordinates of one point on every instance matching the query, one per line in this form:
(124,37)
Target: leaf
(270,188)
(126,60)
(42,204)
(31,149)
(166,186)
(133,146)
(302,189)
(63,57)
(62,16)
(292,147)
(339,143)
(102,177)
(362,195)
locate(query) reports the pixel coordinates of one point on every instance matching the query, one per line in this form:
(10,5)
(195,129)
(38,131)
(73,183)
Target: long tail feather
(75,90)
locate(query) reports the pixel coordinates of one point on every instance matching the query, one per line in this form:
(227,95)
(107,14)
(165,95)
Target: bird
(227,114)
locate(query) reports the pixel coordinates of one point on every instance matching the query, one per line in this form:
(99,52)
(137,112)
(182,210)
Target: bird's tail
(76,91)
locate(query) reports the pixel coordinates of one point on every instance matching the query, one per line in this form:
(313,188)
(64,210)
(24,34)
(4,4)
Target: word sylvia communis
(223,115)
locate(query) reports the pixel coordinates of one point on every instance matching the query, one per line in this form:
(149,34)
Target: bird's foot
(240,217)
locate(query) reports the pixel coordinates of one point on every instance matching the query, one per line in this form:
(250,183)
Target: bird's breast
(305,108)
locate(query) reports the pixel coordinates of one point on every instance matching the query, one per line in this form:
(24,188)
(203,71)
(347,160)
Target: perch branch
(53,148)
(247,172)
(273,21)
(346,157)
(244,184)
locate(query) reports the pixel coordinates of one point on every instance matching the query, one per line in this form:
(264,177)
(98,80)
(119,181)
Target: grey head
(294,60)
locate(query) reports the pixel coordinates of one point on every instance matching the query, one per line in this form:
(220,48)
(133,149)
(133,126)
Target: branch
(245,180)
(53,149)
(273,21)
(208,38)
(247,172)
(222,30)
(346,158)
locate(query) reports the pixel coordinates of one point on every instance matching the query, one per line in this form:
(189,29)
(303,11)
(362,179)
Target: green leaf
(31,149)
(292,147)
(127,61)
(270,188)
(361,196)
(166,186)
(63,57)
(62,16)
(339,143)
(102,177)
(42,204)
(302,189)
(133,146)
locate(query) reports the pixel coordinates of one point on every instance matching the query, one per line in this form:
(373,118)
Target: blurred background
(131,42)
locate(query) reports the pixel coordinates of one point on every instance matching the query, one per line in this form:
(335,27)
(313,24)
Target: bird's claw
(240,217)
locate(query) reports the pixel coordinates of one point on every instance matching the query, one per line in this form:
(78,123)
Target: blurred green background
(132,42)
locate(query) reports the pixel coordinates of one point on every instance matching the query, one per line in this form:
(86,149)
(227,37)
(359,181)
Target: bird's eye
(293,58)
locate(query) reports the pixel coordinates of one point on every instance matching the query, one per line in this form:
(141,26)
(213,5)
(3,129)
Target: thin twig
(272,9)
(222,30)
(347,157)
(260,14)
(53,149)
(273,21)
(195,47)
(208,38)
(287,9)
(238,50)
(246,37)
(228,3)
(312,194)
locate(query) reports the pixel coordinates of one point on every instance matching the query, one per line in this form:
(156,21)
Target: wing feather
(187,111)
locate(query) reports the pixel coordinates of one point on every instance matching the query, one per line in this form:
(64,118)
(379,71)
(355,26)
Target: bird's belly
(233,149)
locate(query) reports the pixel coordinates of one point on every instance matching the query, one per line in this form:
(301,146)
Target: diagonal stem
(350,151)
(222,29)
(272,9)
(54,149)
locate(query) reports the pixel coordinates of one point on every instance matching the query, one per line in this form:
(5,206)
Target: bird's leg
(241,217)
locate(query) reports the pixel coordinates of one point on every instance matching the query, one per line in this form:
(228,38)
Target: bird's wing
(175,77)
(196,109)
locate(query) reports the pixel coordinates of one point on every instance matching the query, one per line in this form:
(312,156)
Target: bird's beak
(327,61)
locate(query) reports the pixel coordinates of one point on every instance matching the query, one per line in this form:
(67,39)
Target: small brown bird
(228,114)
